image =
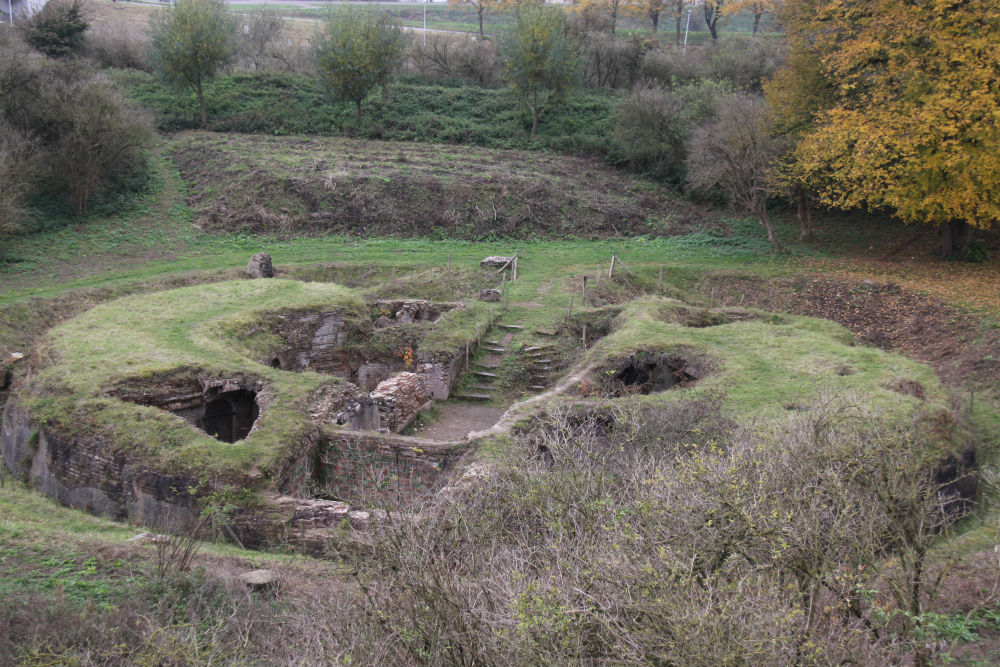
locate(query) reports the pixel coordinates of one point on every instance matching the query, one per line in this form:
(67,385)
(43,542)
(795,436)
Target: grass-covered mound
(302,185)
(177,332)
(215,331)
(762,364)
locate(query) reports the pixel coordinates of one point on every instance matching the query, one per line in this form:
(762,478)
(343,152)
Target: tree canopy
(192,41)
(541,62)
(911,117)
(356,51)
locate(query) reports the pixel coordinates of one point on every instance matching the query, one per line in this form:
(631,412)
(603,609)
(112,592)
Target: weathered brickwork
(357,468)
(399,399)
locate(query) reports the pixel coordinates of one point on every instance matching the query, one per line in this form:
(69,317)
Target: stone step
(536,387)
(486,365)
(541,361)
(515,327)
(498,350)
(492,342)
(536,348)
(484,374)
(546,332)
(475,397)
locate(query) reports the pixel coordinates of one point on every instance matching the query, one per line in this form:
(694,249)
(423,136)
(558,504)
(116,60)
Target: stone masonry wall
(87,474)
(355,467)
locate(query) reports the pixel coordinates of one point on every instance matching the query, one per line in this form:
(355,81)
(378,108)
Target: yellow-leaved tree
(912,120)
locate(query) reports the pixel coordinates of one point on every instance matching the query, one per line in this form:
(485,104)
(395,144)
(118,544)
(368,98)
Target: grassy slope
(68,540)
(282,104)
(308,185)
(56,552)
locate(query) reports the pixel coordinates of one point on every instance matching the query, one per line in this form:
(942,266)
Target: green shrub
(355,52)
(57,30)
(652,126)
(669,67)
(283,103)
(86,138)
(977,251)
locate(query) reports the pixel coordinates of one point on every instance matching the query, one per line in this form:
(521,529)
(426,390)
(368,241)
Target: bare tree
(734,152)
(19,166)
(98,133)
(257,34)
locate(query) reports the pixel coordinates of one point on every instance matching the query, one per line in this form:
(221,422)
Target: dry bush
(628,534)
(119,45)
(669,66)
(746,62)
(88,135)
(652,126)
(611,62)
(600,540)
(451,57)
(735,153)
(259,39)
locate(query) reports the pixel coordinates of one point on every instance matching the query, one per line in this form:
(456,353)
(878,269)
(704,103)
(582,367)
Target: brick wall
(362,468)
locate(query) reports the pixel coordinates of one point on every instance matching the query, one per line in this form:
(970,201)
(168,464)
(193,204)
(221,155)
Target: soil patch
(457,420)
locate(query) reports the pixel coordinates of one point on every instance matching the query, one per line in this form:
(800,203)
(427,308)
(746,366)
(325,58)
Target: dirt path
(458,420)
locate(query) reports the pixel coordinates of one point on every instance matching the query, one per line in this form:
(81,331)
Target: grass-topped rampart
(341,186)
(153,336)
(764,365)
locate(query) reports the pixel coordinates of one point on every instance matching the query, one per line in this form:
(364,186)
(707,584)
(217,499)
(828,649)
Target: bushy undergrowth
(282,103)
(629,534)
(87,141)
(667,535)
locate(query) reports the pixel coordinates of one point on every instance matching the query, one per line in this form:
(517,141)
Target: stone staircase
(483,371)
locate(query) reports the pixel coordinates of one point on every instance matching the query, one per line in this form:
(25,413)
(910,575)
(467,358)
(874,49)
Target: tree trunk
(776,247)
(711,17)
(534,114)
(655,18)
(357,115)
(756,21)
(804,214)
(201,103)
(481,35)
(678,19)
(955,238)
(614,18)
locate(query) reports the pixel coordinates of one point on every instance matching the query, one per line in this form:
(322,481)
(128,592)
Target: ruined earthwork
(295,401)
